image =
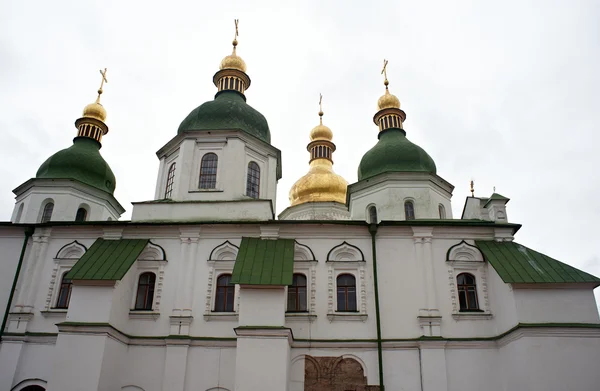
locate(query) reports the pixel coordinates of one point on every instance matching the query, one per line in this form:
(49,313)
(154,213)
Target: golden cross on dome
(237,21)
(321,108)
(384,72)
(100,90)
(472,188)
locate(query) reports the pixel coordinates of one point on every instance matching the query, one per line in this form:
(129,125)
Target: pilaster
(429,317)
(175,366)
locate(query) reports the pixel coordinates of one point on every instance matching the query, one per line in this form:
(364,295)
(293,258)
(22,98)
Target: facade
(367,286)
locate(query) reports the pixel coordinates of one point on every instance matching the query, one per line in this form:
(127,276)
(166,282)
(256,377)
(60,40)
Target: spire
(91,124)
(389,114)
(320,184)
(232,71)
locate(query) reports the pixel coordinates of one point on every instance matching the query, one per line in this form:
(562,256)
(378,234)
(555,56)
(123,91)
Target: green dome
(81,161)
(394,153)
(227,111)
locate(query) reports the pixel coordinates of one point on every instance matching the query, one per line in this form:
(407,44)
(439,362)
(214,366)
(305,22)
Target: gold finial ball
(388,101)
(96,111)
(386,83)
(235,42)
(233,61)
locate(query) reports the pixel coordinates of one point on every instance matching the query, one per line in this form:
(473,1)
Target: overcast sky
(504,93)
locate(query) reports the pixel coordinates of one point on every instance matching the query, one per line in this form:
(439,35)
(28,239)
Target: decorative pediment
(303,253)
(73,250)
(153,252)
(464,252)
(225,251)
(345,252)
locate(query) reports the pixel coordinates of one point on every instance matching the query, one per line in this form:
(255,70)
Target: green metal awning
(516,263)
(264,262)
(107,259)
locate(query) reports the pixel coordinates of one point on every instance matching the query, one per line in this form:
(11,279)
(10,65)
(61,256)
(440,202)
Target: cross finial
(235,42)
(472,188)
(384,73)
(321,108)
(494,189)
(100,90)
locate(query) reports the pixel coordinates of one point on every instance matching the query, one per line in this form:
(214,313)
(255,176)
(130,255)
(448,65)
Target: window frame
(370,214)
(442,211)
(214,175)
(60,291)
(407,215)
(296,289)
(467,288)
(170,180)
(43,217)
(148,288)
(85,215)
(64,260)
(346,294)
(227,288)
(253,180)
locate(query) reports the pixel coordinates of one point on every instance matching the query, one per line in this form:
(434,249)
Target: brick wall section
(334,374)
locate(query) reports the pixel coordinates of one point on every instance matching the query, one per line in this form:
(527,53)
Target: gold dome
(233,61)
(321,132)
(320,184)
(388,101)
(95,110)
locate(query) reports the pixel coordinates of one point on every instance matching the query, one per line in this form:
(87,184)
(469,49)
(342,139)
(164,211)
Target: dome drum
(321,149)
(389,118)
(231,79)
(91,127)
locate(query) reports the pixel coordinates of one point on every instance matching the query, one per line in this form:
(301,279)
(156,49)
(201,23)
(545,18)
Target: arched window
(442,211)
(145,291)
(208,171)
(467,292)
(33,388)
(373,214)
(253,180)
(81,214)
(409,210)
(346,293)
(64,294)
(47,214)
(297,294)
(225,294)
(170,181)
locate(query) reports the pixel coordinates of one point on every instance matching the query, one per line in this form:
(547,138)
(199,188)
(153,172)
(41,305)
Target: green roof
(107,259)
(516,263)
(228,111)
(81,161)
(394,153)
(264,262)
(496,197)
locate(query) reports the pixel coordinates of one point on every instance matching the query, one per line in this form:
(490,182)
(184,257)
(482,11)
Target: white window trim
(309,269)
(152,259)
(466,258)
(200,150)
(65,259)
(216,269)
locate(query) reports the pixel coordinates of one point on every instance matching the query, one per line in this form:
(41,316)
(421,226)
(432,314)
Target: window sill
(206,191)
(472,315)
(347,316)
(300,317)
(54,313)
(226,316)
(145,315)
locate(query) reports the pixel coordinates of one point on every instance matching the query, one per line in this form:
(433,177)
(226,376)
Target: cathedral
(372,285)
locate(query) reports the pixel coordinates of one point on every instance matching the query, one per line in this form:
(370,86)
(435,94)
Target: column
(175,366)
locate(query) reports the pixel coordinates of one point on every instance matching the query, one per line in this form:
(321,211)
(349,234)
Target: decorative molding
(144,315)
(112,233)
(471,315)
(478,268)
(73,250)
(225,251)
(216,268)
(221,316)
(347,317)
(300,317)
(153,252)
(54,313)
(303,253)
(464,252)
(269,231)
(358,270)
(345,252)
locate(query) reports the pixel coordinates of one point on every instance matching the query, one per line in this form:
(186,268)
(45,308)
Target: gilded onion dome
(320,184)
(233,61)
